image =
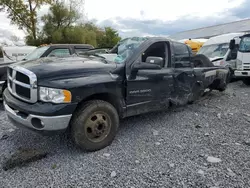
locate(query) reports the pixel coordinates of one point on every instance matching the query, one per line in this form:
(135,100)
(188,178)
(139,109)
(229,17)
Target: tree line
(62,24)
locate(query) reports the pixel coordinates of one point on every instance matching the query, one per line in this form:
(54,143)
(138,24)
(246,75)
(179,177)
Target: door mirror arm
(145,66)
(232,44)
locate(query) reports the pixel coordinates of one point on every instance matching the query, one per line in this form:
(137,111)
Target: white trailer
(16,53)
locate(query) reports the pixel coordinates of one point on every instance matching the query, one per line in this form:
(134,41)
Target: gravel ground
(199,145)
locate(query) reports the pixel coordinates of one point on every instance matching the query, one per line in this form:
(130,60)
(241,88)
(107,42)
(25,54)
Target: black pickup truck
(89,94)
(52,50)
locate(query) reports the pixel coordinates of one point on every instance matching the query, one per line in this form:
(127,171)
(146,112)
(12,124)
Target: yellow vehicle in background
(195,44)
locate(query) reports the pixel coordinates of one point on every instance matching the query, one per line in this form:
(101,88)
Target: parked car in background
(52,50)
(57,50)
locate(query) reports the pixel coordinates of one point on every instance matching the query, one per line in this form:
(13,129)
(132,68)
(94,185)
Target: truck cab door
(184,77)
(148,87)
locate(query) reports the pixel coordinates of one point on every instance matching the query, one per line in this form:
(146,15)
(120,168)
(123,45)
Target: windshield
(36,53)
(127,47)
(245,44)
(214,50)
(122,51)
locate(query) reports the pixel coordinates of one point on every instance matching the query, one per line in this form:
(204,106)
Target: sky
(151,17)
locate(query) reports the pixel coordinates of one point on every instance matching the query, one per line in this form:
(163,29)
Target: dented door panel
(149,90)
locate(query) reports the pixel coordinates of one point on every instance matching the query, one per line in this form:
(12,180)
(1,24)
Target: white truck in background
(243,58)
(15,53)
(218,51)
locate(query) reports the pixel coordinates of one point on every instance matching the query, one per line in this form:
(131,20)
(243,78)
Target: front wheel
(94,126)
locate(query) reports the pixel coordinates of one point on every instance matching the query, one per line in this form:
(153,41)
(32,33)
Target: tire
(94,125)
(223,87)
(3,88)
(201,60)
(197,92)
(219,84)
(246,81)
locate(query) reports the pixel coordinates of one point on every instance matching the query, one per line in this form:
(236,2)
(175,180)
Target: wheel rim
(97,126)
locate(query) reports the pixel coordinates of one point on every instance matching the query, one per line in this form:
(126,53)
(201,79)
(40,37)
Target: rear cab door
(184,77)
(149,89)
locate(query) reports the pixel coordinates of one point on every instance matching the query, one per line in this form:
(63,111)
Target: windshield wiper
(103,58)
(97,56)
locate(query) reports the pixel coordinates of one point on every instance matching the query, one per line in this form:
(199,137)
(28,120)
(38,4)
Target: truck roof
(77,45)
(246,35)
(220,39)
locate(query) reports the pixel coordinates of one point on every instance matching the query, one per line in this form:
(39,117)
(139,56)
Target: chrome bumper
(39,123)
(242,73)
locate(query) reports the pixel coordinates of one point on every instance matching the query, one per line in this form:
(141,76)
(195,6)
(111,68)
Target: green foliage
(108,38)
(24,13)
(60,25)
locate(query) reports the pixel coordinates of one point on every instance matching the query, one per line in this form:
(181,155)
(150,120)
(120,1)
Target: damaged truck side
(88,95)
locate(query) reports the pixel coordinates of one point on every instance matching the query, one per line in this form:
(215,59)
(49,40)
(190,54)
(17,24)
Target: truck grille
(22,83)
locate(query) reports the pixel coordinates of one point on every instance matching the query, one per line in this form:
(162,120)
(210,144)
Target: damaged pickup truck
(89,94)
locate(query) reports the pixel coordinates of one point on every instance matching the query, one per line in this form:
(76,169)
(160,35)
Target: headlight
(239,64)
(54,95)
(216,63)
(219,63)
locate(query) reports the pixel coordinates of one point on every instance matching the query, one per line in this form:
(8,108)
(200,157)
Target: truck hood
(46,68)
(212,59)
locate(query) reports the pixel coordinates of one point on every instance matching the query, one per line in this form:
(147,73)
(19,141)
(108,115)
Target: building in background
(207,32)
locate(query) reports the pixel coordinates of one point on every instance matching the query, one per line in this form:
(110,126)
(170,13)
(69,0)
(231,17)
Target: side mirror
(155,60)
(232,44)
(145,66)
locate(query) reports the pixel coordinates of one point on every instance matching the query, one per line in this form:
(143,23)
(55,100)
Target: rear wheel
(3,88)
(246,81)
(230,77)
(94,125)
(197,92)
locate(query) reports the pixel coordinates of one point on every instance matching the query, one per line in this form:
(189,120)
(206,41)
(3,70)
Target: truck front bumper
(241,73)
(44,118)
(43,124)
